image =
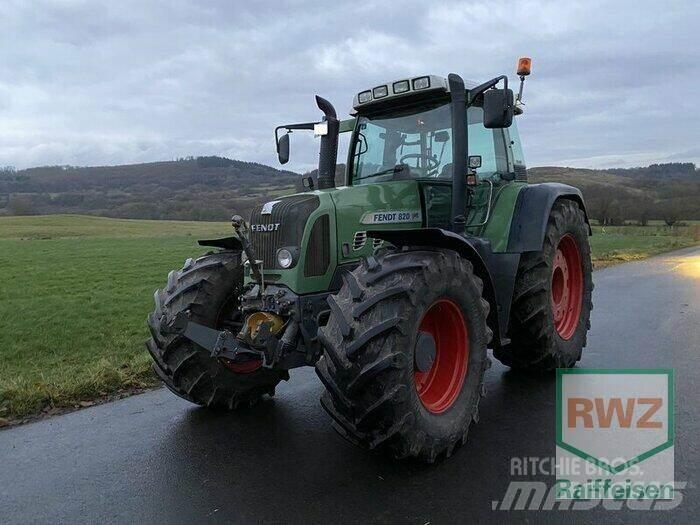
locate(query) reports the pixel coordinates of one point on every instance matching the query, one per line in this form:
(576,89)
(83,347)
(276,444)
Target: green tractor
(394,284)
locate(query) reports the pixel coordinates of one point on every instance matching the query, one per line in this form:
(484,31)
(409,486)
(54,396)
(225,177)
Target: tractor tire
(208,288)
(551,309)
(382,322)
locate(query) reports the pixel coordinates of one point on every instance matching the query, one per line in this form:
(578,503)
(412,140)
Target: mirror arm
(290,127)
(478,90)
(305,125)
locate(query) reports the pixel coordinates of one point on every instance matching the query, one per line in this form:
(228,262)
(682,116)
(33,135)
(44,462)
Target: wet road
(156,458)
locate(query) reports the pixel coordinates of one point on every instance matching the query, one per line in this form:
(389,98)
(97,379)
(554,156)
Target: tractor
(395,283)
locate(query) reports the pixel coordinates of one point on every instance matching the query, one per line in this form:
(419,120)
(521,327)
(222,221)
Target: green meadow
(73,298)
(76,290)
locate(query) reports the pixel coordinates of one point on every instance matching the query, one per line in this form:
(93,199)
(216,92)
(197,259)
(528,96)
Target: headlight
(421,83)
(401,87)
(365,96)
(380,91)
(284,258)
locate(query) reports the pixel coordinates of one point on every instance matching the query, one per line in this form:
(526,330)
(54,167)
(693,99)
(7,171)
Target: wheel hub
(425,352)
(566,287)
(441,356)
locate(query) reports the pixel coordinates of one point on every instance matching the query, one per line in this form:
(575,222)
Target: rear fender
(496,270)
(531,214)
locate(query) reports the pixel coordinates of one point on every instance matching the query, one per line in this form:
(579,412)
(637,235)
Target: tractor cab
(404,133)
(414,141)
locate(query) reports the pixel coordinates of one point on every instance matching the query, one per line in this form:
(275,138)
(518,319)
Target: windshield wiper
(395,169)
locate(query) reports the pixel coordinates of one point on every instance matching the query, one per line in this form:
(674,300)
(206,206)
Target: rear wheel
(551,309)
(208,288)
(405,353)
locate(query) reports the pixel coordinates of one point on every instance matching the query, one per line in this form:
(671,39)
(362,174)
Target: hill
(202,188)
(212,188)
(661,192)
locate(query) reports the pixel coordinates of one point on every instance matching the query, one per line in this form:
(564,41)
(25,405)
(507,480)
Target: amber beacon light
(524,65)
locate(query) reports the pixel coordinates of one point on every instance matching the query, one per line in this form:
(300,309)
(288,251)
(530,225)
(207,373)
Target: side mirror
(442,136)
(283,149)
(498,108)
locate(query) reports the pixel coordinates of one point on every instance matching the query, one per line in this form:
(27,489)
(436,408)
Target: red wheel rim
(567,287)
(246,367)
(439,386)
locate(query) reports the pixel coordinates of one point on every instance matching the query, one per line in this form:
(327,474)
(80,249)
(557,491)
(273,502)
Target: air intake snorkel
(328,128)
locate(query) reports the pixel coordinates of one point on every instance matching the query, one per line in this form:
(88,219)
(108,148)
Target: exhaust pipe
(328,154)
(459,152)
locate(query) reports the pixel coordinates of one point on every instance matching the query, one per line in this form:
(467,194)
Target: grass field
(616,244)
(76,291)
(74,295)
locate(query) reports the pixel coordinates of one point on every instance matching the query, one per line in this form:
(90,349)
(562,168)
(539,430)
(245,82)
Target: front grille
(290,213)
(318,253)
(358,242)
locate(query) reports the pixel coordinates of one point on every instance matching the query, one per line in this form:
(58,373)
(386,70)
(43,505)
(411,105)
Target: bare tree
(644,209)
(670,214)
(19,205)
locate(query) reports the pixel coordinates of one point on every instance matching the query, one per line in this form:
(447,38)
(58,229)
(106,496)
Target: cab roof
(386,94)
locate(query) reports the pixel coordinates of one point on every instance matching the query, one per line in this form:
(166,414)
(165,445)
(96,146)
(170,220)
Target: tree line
(213,188)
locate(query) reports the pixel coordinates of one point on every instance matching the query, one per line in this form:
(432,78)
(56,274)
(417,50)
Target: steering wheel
(432,163)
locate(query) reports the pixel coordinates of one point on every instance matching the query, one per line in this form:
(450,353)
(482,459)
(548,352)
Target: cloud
(96,82)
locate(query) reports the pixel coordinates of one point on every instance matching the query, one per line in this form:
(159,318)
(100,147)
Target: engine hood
(361,209)
(327,228)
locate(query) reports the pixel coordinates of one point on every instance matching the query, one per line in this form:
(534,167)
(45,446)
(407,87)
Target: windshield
(416,143)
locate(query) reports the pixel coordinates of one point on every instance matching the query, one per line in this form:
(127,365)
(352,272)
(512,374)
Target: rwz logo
(272,227)
(619,422)
(606,410)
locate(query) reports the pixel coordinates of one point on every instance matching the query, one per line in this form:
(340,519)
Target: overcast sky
(92,83)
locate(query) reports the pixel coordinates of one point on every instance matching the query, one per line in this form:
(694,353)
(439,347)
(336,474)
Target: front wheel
(551,309)
(405,353)
(208,289)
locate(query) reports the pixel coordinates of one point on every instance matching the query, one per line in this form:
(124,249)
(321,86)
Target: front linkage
(270,332)
(264,337)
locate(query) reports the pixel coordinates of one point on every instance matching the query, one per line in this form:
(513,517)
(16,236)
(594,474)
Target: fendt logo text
(272,227)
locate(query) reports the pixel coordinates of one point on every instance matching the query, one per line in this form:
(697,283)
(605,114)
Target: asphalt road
(155,458)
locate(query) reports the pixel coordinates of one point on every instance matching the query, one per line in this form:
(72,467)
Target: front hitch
(274,352)
(220,343)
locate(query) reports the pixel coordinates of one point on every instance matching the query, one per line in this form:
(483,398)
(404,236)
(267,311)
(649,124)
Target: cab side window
(489,143)
(516,148)
(369,150)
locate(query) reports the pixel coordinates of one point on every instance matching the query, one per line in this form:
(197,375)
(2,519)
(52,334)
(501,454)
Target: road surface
(155,458)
